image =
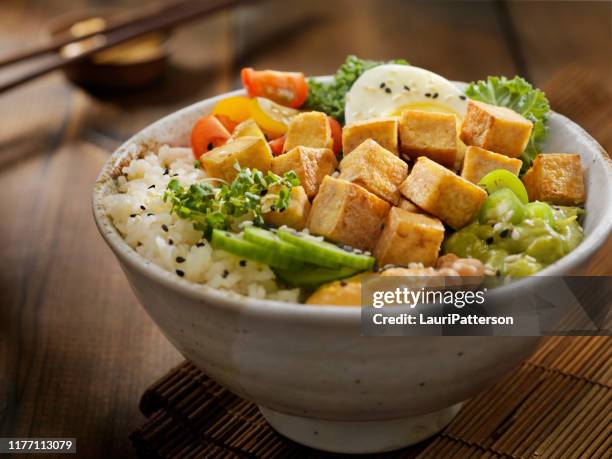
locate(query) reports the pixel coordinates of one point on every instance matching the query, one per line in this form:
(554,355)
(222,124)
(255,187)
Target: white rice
(143,184)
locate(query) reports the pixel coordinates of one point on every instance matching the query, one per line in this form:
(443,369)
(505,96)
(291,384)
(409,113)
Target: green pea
(503,179)
(502,206)
(539,209)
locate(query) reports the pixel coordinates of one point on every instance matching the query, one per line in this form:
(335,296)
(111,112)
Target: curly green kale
(217,207)
(518,95)
(330,97)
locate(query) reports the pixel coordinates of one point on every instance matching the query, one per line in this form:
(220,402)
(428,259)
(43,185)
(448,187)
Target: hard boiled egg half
(389,89)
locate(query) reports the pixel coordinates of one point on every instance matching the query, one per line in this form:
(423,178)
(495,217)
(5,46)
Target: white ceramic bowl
(315,378)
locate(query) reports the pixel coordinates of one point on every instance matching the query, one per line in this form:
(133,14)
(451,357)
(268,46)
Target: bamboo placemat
(558,404)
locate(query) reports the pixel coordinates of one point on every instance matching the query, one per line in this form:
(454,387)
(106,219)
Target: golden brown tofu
(248,128)
(497,129)
(346,292)
(310,164)
(409,206)
(529,182)
(309,129)
(347,213)
(250,152)
(443,193)
(557,178)
(429,134)
(382,130)
(409,238)
(376,169)
(478,162)
(295,215)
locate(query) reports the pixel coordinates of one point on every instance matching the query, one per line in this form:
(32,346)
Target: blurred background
(76,350)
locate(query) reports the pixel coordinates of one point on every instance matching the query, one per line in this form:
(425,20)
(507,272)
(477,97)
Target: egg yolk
(424,106)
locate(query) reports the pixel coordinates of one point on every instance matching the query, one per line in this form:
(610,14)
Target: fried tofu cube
(249,151)
(429,134)
(409,238)
(478,162)
(557,178)
(443,193)
(309,129)
(347,213)
(497,129)
(381,130)
(248,128)
(310,164)
(529,182)
(295,215)
(376,169)
(409,206)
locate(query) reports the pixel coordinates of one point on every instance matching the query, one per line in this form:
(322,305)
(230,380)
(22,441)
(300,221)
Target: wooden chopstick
(164,18)
(112,23)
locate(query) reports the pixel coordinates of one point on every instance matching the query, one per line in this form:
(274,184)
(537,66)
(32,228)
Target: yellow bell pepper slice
(271,117)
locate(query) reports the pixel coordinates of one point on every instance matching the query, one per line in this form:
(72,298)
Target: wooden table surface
(76,349)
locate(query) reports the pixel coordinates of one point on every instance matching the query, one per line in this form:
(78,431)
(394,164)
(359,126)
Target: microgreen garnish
(218,207)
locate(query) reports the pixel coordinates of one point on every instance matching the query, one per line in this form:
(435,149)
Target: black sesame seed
(427,94)
(388,90)
(150,214)
(210,146)
(180,272)
(138,244)
(498,273)
(166,171)
(152,186)
(174,175)
(435,96)
(242,263)
(200,244)
(180,260)
(382,85)
(505,233)
(143,207)
(225,273)
(165,228)
(170,242)
(490,240)
(272,208)
(462,97)
(343,284)
(132,215)
(406,88)
(264,192)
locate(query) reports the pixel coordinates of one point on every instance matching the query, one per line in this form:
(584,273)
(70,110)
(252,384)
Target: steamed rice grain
(144,220)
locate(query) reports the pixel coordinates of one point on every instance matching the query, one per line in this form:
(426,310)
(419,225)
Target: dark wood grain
(76,349)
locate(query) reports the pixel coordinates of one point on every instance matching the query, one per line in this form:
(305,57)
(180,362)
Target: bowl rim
(271,308)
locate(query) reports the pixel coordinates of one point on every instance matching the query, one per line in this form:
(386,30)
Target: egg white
(388,89)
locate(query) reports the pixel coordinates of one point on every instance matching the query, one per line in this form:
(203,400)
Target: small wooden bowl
(132,65)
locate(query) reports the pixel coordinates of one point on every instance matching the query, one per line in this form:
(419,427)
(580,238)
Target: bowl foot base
(359,437)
